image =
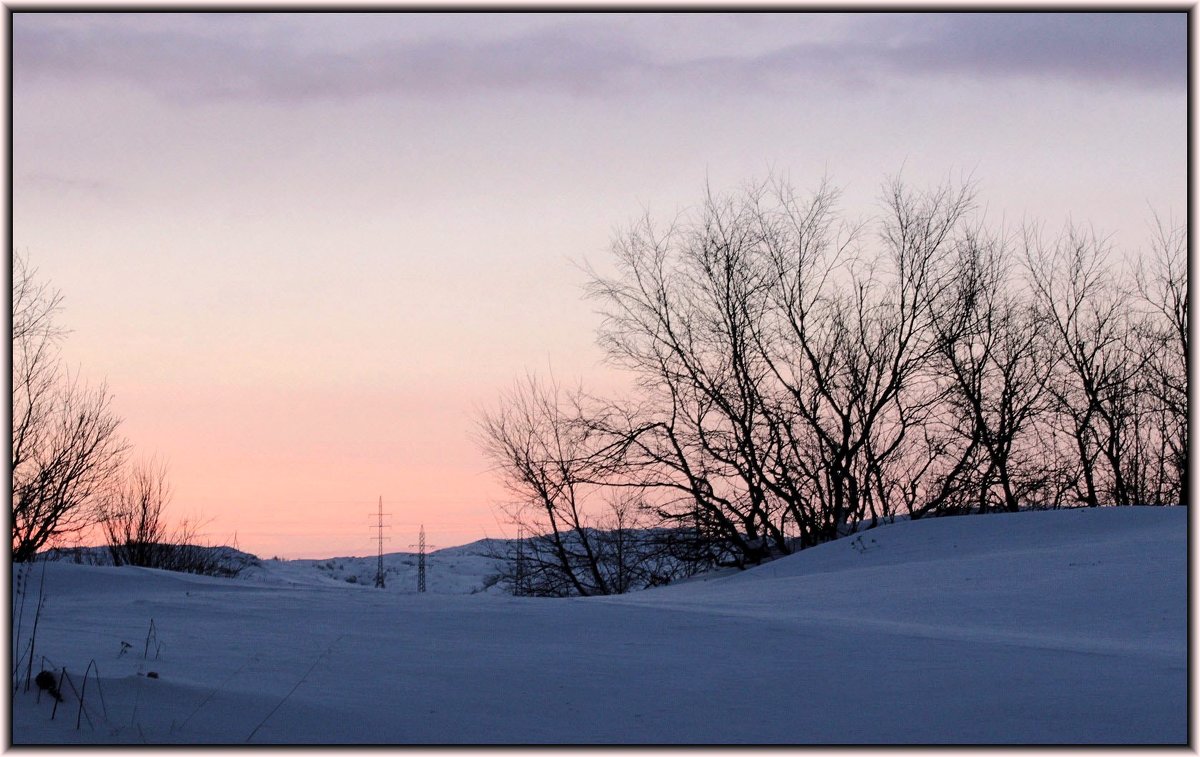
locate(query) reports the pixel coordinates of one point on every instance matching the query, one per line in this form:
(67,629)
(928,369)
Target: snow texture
(1038,627)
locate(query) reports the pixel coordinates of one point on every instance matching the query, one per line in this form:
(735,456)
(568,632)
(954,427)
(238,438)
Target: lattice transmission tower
(420,545)
(519,570)
(379,525)
(421,560)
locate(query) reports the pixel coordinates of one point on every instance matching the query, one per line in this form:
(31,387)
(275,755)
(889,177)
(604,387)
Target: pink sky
(305,250)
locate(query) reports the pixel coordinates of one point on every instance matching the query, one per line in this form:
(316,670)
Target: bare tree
(780,363)
(1095,385)
(992,349)
(132,517)
(66,447)
(850,345)
(549,459)
(1163,288)
(682,313)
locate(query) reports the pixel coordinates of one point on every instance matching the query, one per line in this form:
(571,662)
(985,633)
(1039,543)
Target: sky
(306,250)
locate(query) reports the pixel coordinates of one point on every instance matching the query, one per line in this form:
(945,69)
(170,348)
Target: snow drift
(1039,627)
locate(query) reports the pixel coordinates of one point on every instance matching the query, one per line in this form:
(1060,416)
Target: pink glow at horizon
(305,250)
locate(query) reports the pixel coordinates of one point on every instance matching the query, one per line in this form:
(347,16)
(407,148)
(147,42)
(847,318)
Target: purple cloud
(591,57)
(1149,49)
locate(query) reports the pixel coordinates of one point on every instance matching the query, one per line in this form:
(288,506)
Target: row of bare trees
(800,376)
(71,470)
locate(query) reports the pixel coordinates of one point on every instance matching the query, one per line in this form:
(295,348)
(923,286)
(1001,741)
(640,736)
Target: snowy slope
(1052,627)
(468,569)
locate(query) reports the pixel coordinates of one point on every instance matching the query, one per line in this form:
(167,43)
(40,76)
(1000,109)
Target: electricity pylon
(519,568)
(379,525)
(420,545)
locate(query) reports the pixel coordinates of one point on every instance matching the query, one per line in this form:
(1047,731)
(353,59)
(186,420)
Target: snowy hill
(468,569)
(465,569)
(227,560)
(1040,627)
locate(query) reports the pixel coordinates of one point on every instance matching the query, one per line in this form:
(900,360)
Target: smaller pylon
(420,545)
(421,560)
(519,568)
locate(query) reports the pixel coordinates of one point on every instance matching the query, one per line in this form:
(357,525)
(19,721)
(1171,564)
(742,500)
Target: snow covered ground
(1040,627)
(468,569)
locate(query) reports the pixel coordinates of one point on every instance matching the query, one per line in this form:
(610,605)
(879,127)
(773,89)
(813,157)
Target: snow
(1038,627)
(468,569)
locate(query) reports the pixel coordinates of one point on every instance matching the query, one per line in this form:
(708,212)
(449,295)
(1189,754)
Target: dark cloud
(1143,50)
(182,65)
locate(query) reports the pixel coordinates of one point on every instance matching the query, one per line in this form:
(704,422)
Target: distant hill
(465,569)
(222,560)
